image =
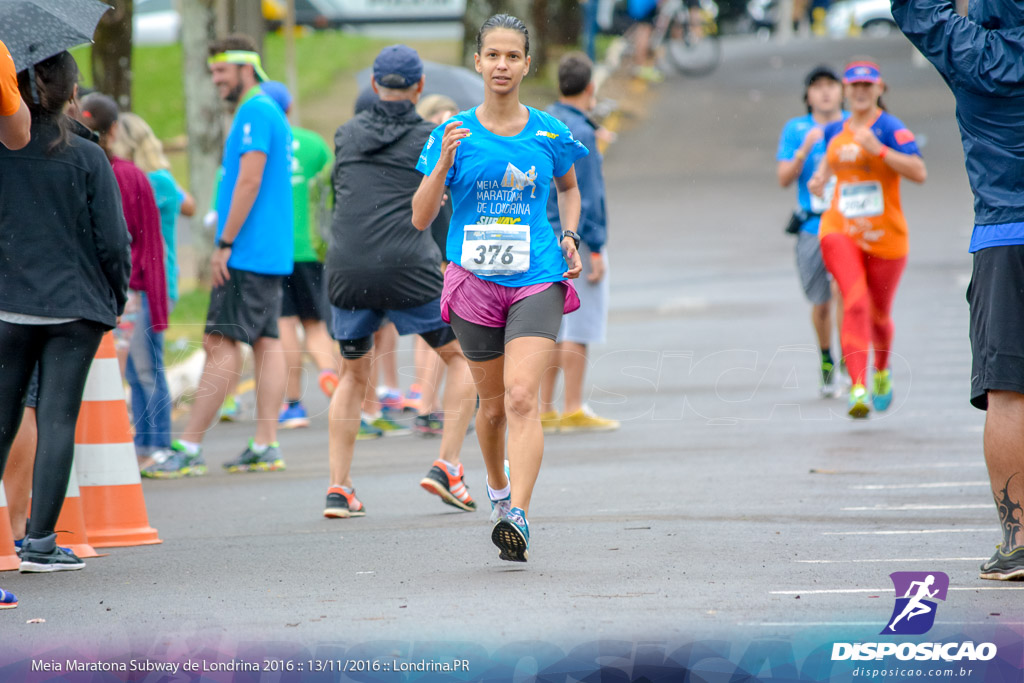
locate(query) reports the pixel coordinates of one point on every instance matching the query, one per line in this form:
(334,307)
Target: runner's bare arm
(790,170)
(569,205)
(426,203)
(14,129)
(816,185)
(247,188)
(910,166)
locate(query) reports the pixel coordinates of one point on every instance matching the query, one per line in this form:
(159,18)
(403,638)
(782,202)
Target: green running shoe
(881,397)
(859,407)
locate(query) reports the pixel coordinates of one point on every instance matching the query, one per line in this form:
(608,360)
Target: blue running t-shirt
(264,245)
(506,180)
(790,141)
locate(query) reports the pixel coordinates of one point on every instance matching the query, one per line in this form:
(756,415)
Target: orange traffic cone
(108,472)
(71,531)
(8,558)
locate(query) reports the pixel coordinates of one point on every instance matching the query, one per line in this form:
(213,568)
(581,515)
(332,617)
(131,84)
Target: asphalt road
(733,502)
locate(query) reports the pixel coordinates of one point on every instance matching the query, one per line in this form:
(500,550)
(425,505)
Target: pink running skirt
(486,303)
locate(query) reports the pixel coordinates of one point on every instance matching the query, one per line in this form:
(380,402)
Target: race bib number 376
(496,249)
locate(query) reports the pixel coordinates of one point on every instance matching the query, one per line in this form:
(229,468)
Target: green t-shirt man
(311,193)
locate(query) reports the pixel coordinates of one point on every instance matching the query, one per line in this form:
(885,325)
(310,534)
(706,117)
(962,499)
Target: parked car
(871,17)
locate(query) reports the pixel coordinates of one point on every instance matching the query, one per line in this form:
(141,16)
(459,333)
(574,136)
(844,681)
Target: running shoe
(429,425)
(1004,567)
(8,600)
(43,555)
(175,462)
(413,401)
(858,404)
(229,410)
(328,382)
(269,460)
(881,397)
(549,422)
(293,416)
(18,543)
(584,420)
(452,490)
(512,536)
(389,427)
(341,505)
(501,507)
(390,400)
(649,73)
(829,384)
(368,431)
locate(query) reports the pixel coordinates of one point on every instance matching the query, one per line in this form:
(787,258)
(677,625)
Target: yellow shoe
(549,422)
(585,420)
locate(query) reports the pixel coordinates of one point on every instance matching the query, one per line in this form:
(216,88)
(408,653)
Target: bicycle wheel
(693,53)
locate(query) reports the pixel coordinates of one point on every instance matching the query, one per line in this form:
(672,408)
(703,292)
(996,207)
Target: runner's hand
(811,139)
(219,266)
(572,257)
(453,135)
(866,139)
(597,268)
(816,185)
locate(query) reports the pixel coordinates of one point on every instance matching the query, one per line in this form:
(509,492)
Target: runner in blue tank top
(507,286)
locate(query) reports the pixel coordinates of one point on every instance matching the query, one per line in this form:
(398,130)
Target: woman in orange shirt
(863,233)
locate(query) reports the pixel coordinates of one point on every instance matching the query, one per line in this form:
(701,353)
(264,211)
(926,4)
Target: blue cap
(862,72)
(278,92)
(397,67)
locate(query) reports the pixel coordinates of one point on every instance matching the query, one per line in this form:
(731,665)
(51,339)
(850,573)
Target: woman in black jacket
(64,267)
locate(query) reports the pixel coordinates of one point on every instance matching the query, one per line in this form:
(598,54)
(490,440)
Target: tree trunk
(112,54)
(246,16)
(566,22)
(204,121)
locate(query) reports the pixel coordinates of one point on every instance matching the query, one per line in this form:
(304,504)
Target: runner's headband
(241,57)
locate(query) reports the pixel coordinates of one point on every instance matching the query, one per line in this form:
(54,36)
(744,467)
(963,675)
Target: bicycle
(694,50)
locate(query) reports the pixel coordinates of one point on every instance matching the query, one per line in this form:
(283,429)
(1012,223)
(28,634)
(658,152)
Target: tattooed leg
(1011,518)
(1004,456)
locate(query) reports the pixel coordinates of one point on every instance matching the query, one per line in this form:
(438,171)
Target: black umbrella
(34,30)
(459,83)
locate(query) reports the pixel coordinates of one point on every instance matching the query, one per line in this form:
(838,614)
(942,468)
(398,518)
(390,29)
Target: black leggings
(64,353)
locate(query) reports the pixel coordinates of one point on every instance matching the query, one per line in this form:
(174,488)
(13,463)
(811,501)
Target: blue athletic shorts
(349,323)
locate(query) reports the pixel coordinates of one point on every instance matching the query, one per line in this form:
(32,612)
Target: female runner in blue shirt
(506,288)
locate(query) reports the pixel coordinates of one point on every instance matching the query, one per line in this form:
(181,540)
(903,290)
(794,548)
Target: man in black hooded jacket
(981,58)
(379,265)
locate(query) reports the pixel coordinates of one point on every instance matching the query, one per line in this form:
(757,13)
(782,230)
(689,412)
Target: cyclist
(863,233)
(505,289)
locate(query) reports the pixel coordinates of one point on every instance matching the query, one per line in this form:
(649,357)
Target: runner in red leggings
(863,233)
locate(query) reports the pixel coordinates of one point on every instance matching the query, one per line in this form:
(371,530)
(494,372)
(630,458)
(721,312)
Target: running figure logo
(914,612)
(518,180)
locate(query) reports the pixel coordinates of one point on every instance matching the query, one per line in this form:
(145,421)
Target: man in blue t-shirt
(253,253)
(801,148)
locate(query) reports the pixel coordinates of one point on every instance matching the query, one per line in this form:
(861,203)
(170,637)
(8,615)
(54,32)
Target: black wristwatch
(573,235)
(221,244)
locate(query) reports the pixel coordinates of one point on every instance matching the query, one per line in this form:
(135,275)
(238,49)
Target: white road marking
(932,485)
(923,559)
(843,591)
(909,531)
(901,508)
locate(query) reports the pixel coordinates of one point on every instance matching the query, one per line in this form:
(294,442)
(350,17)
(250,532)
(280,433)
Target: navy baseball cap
(279,93)
(821,71)
(397,67)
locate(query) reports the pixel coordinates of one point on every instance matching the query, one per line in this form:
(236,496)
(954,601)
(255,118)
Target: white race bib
(498,249)
(861,200)
(822,203)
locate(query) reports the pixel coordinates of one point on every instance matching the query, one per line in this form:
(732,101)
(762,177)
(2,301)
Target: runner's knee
(354,349)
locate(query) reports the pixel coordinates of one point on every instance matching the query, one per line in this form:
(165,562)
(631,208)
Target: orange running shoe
(341,505)
(452,490)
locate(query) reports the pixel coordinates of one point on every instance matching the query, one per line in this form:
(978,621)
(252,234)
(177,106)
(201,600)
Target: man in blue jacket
(981,58)
(588,324)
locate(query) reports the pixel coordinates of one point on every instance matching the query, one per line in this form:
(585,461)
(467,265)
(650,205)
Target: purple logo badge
(914,612)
